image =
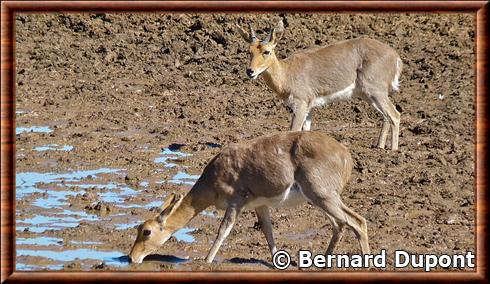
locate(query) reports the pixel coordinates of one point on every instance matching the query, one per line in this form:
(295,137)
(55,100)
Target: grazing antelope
(284,169)
(364,68)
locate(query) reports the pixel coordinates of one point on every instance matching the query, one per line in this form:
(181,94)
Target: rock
(100,208)
(131,180)
(420,129)
(100,266)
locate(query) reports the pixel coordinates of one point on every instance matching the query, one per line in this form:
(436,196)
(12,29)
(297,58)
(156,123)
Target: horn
(253,37)
(269,36)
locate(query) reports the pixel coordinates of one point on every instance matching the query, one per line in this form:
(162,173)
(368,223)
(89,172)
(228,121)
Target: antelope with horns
(284,169)
(363,68)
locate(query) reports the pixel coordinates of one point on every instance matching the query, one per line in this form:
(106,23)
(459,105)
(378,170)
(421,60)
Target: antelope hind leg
(266,226)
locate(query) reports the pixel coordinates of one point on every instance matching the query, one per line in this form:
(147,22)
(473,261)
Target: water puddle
(33,267)
(168,157)
(39,129)
(184,178)
(53,199)
(40,223)
(30,183)
(54,147)
(85,243)
(182,235)
(26,182)
(149,205)
(51,196)
(113,258)
(209,214)
(113,193)
(39,241)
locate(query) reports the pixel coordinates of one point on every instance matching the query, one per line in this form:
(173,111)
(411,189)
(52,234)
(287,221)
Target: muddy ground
(144,99)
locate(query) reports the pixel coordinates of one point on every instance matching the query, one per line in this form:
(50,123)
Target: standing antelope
(279,170)
(364,68)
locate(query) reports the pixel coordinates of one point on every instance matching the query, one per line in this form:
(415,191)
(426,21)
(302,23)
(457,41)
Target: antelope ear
(244,34)
(277,32)
(172,203)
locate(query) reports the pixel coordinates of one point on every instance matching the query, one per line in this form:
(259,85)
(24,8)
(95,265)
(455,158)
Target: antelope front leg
(383,133)
(266,226)
(300,112)
(307,123)
(224,230)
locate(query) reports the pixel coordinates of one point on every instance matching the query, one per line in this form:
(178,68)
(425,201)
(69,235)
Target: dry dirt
(119,88)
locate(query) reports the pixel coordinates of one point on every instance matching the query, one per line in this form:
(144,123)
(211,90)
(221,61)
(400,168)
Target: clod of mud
(100,266)
(421,129)
(73,266)
(100,208)
(132,180)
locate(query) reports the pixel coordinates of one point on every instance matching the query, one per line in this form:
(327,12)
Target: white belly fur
(344,94)
(291,197)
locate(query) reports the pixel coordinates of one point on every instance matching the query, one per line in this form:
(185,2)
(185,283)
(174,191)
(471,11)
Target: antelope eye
(266,52)
(146,232)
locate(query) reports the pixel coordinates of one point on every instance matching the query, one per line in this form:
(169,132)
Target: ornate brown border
(8,8)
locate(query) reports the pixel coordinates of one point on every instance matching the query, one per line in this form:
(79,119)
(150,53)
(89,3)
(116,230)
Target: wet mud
(116,111)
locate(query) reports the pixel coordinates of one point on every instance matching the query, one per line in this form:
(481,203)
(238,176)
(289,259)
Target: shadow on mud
(165,258)
(123,259)
(239,260)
